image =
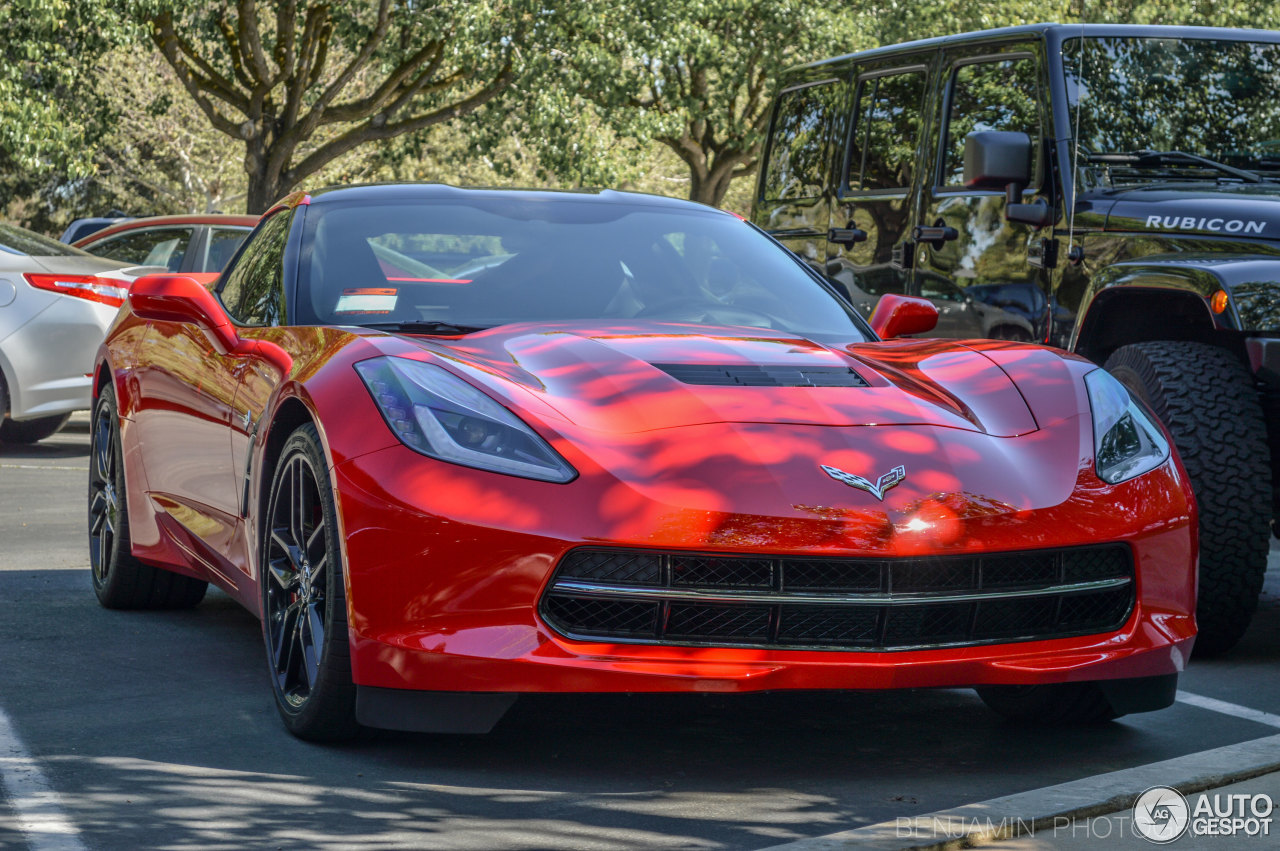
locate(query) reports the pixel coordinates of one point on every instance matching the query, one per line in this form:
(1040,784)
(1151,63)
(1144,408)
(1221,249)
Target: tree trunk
(263,192)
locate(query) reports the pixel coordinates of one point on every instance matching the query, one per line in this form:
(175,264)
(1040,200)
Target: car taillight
(101,290)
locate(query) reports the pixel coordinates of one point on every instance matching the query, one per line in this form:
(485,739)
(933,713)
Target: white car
(56,303)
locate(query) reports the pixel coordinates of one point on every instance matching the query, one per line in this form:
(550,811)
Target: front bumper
(446,568)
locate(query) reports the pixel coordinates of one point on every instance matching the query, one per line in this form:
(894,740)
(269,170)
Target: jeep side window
(990,96)
(883,147)
(797,161)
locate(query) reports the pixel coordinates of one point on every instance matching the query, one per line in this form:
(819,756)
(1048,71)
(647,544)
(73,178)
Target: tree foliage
(301,84)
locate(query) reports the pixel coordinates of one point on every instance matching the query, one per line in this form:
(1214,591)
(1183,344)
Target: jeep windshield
(1171,108)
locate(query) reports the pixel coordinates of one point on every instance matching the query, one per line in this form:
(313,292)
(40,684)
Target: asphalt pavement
(141,730)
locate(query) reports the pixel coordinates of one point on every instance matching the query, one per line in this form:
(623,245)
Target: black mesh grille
(1098,563)
(833,575)
(831,625)
(840,603)
(613,566)
(737,623)
(1018,616)
(763,376)
(721,572)
(1009,571)
(927,575)
(604,617)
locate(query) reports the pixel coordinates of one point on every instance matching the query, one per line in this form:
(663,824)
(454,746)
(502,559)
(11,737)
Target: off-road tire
(120,580)
(1206,398)
(302,583)
(1061,704)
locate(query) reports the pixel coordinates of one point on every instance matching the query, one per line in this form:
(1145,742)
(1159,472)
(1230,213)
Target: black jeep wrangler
(1111,190)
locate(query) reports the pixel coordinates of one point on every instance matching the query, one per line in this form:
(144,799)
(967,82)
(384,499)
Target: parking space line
(41,821)
(40,467)
(1214,705)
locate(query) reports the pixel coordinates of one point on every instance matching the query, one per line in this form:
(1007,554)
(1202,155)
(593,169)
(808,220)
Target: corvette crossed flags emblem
(888,480)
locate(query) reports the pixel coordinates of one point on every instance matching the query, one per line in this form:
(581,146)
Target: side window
(990,96)
(882,152)
(254,290)
(797,161)
(223,243)
(153,247)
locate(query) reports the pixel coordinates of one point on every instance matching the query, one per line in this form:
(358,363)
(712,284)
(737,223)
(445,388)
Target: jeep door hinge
(1043,253)
(904,256)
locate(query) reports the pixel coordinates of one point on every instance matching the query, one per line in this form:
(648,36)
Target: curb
(1026,812)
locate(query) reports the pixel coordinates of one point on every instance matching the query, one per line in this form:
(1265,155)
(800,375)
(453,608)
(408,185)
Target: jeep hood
(1199,208)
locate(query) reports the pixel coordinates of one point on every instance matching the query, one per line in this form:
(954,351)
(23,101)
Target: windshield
(16,240)
(452,266)
(1213,98)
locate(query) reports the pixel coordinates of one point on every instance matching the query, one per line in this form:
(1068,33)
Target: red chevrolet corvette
(457,445)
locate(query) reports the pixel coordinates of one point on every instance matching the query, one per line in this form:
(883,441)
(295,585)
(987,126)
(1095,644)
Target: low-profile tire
(1062,704)
(120,580)
(31,431)
(1206,398)
(304,606)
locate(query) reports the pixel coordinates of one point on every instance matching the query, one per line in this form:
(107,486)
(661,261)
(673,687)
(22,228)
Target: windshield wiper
(1147,159)
(422,326)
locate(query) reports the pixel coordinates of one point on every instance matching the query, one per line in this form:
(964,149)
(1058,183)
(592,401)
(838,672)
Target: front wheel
(1206,398)
(304,607)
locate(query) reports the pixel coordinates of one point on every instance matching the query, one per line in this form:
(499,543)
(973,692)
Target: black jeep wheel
(1206,398)
(119,579)
(304,606)
(1062,704)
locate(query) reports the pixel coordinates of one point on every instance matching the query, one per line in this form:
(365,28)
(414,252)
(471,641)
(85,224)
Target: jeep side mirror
(1001,159)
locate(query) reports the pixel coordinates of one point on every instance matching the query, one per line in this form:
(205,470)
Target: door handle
(847,236)
(935,235)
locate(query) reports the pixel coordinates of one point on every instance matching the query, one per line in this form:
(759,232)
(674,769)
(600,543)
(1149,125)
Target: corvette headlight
(440,415)
(1126,442)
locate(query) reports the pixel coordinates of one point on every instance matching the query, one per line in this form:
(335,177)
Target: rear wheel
(1207,400)
(119,579)
(31,431)
(304,607)
(1061,704)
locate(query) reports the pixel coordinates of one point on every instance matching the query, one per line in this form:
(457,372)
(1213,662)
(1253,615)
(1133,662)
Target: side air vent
(763,376)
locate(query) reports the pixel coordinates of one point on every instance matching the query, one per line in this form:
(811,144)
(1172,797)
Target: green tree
(695,76)
(305,83)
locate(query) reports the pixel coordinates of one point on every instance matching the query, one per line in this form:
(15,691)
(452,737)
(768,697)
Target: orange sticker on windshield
(367,300)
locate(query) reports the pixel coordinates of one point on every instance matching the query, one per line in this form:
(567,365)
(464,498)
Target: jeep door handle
(846,236)
(936,234)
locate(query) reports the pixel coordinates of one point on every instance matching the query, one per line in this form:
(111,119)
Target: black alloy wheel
(304,617)
(120,580)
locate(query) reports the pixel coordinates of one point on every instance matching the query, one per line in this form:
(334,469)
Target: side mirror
(179,298)
(903,314)
(1001,159)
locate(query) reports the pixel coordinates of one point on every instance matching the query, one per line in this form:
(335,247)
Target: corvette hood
(627,379)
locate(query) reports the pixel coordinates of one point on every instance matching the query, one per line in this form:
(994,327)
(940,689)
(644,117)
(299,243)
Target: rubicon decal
(888,480)
(1213,224)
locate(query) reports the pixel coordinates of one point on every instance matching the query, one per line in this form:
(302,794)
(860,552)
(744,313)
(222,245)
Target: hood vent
(763,376)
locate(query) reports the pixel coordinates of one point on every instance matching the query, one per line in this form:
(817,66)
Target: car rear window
(16,240)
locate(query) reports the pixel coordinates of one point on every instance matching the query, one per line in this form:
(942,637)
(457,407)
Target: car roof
(1058,31)
(441,191)
(223,219)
